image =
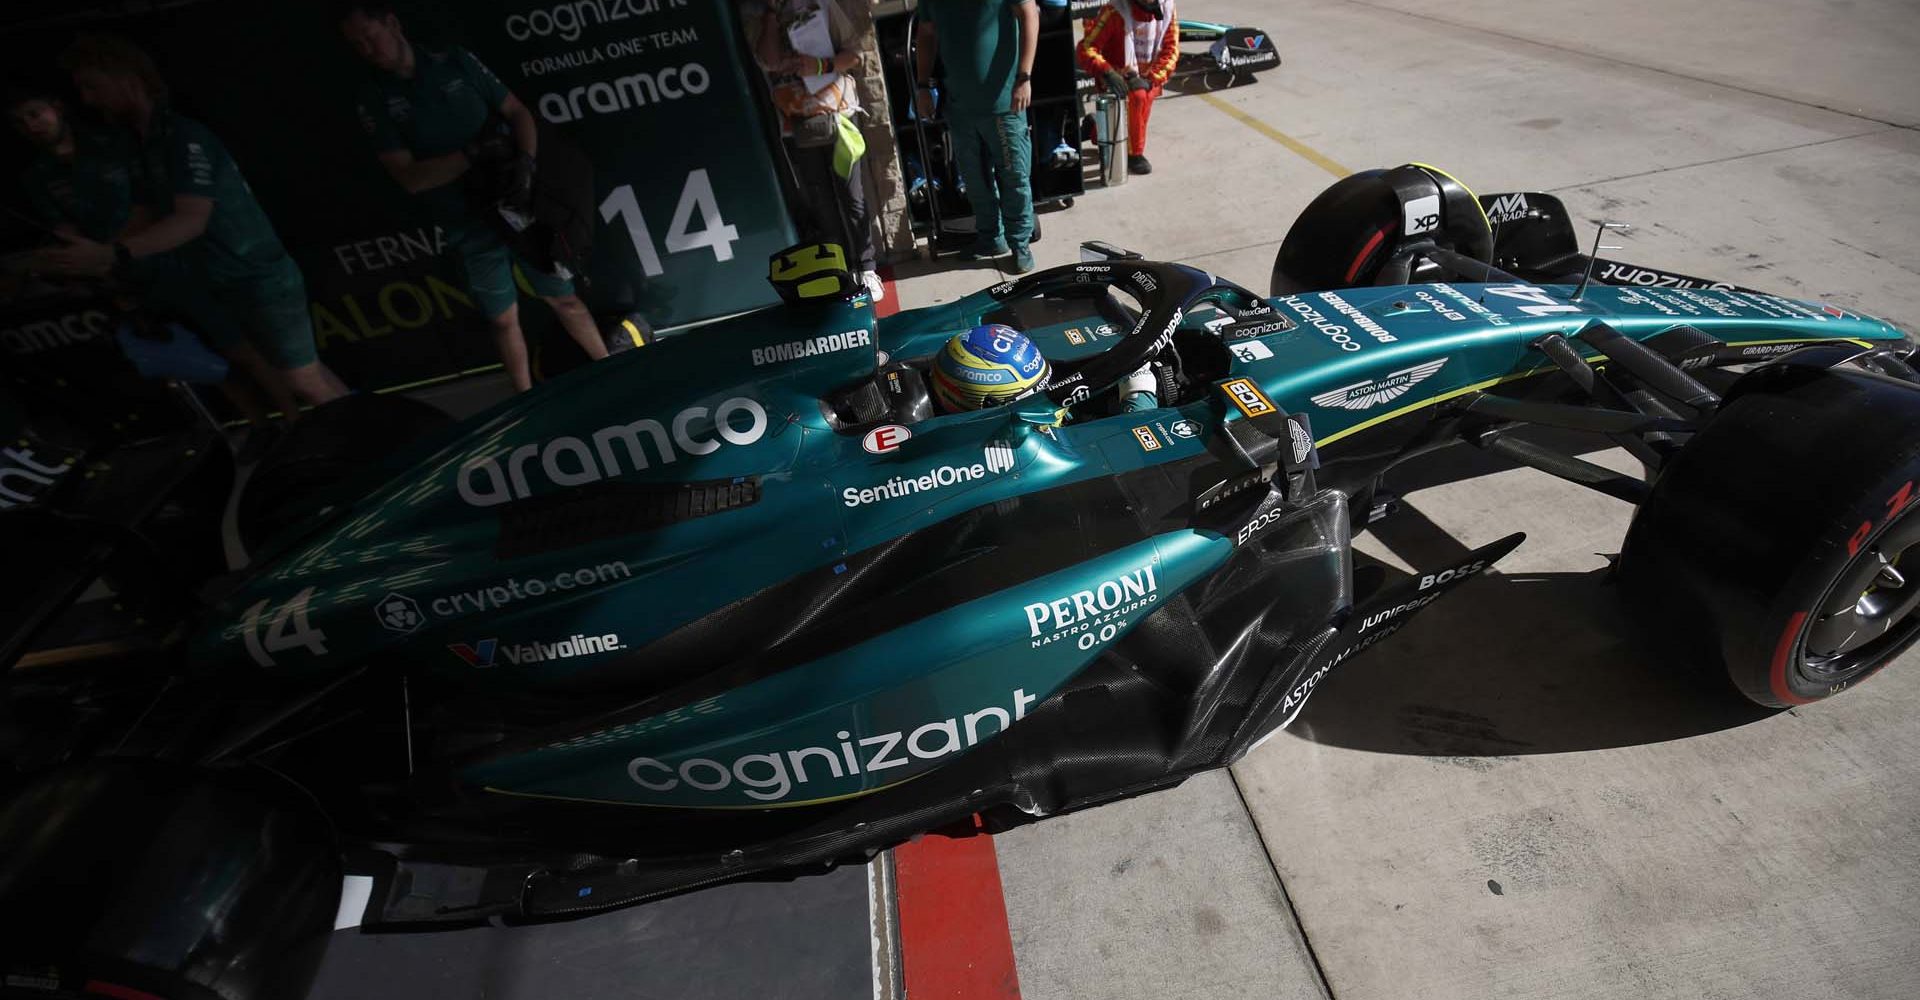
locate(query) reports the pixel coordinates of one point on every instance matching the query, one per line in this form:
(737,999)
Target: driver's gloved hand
(1139,83)
(1116,84)
(1140,391)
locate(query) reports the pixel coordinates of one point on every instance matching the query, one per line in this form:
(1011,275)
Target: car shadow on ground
(1510,664)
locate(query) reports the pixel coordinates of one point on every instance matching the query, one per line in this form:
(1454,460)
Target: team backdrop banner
(653,91)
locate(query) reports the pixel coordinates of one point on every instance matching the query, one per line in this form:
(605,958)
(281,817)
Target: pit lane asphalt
(1518,796)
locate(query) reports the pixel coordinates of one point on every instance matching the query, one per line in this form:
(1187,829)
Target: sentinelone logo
(500,484)
(770,777)
(998,457)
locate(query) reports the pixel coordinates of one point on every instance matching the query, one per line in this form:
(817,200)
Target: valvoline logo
(481,654)
(478,655)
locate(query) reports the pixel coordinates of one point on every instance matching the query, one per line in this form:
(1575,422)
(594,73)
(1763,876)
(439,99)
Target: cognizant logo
(485,481)
(568,19)
(23,477)
(772,776)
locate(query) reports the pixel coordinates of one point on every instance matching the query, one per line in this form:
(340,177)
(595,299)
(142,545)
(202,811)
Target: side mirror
(1035,412)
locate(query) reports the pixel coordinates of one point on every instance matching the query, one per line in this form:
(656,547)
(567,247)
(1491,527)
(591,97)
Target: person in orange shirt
(1132,47)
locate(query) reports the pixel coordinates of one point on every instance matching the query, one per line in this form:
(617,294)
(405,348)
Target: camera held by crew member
(1132,46)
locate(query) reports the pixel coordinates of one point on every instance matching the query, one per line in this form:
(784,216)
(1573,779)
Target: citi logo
(482,653)
(484,481)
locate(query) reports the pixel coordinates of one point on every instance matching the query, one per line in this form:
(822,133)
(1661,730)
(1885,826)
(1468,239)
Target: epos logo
(1248,397)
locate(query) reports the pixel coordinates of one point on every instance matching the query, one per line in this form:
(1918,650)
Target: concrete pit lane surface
(1518,796)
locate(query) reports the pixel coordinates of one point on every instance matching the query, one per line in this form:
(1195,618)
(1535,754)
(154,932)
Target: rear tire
(330,447)
(1774,540)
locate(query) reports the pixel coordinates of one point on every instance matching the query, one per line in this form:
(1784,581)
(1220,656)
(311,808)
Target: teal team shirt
(180,156)
(980,47)
(437,111)
(92,192)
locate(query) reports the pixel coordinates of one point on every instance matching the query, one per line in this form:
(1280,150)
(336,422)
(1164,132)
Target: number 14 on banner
(715,233)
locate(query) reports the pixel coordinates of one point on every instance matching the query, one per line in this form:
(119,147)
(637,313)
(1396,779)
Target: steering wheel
(1165,292)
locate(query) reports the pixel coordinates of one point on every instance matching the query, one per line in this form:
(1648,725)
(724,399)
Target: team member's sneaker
(1138,165)
(1022,261)
(876,288)
(988,251)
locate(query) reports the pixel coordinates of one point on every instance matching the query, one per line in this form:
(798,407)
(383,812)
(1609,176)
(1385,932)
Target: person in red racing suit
(1132,47)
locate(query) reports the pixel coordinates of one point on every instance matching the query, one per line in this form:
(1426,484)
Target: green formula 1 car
(745,603)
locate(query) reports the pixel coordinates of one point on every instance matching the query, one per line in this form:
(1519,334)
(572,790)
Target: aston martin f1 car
(744,604)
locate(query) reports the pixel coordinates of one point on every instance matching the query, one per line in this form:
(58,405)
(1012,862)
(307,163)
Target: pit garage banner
(654,92)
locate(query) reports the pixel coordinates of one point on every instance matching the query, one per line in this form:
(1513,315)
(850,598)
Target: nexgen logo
(485,481)
(1248,397)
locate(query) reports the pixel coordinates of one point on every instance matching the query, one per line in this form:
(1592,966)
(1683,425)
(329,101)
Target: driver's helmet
(987,366)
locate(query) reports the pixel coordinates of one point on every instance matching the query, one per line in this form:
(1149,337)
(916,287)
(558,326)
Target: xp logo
(1423,215)
(398,613)
(478,655)
(885,438)
(999,456)
(1248,397)
(1250,351)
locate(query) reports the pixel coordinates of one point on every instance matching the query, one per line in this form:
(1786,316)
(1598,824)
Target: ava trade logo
(481,654)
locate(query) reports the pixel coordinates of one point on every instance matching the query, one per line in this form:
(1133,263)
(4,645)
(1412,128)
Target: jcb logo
(1248,397)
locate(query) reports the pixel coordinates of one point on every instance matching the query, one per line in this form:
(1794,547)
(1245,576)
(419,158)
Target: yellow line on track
(1300,149)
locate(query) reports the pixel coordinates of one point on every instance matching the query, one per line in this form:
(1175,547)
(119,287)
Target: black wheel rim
(1873,609)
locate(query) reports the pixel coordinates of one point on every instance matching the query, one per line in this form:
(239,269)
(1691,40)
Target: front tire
(1783,540)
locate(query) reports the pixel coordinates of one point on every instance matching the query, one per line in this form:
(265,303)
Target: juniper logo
(1367,395)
